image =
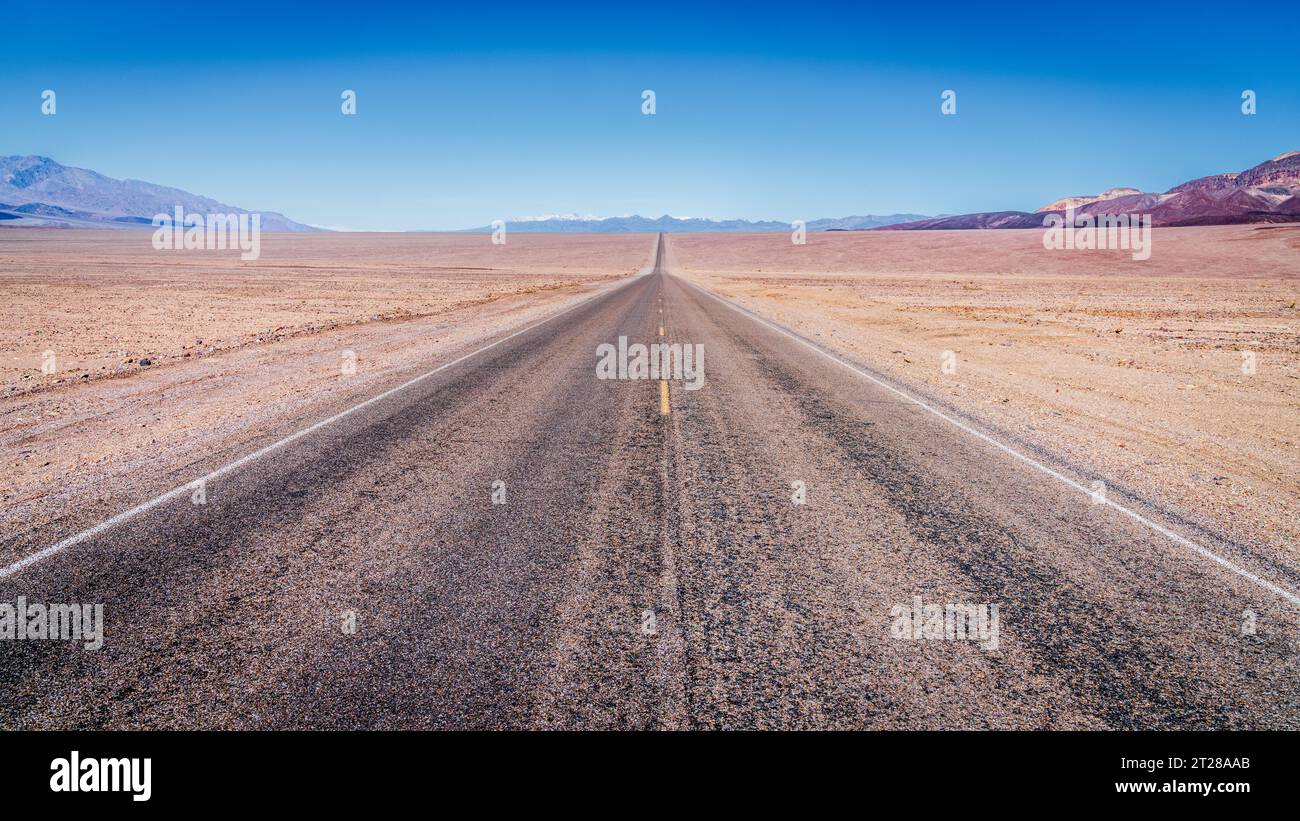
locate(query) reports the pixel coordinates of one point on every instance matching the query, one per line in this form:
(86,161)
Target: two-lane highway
(519,543)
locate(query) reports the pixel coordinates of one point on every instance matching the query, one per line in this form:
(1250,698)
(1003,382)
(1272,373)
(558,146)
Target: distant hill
(37,191)
(1268,192)
(859,223)
(643,225)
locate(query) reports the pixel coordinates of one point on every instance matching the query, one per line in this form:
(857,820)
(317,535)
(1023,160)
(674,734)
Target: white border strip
(1132,514)
(28,561)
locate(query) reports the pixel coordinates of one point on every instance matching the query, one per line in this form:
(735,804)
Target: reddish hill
(995,219)
(1267,192)
(1290,205)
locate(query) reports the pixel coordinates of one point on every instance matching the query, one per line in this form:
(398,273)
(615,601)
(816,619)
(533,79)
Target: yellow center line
(663,397)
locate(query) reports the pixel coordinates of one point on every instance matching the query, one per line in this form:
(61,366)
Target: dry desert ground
(239,353)
(103,300)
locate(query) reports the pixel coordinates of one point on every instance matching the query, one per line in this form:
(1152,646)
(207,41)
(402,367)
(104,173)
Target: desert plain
(166,363)
(1177,378)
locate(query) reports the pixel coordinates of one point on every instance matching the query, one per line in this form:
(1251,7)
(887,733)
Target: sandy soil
(240,353)
(1133,367)
(103,301)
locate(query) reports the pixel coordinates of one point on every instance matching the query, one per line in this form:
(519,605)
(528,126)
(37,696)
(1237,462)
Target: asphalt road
(649,569)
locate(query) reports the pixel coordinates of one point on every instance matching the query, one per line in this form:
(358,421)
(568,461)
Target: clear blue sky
(487,111)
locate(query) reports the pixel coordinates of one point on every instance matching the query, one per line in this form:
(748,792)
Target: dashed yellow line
(663,398)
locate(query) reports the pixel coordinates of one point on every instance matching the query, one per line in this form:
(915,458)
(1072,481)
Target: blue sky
(471,114)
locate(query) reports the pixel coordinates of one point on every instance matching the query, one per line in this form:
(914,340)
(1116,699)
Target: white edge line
(58,547)
(1138,517)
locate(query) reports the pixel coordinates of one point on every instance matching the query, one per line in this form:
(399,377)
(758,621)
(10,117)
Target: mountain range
(37,191)
(639,224)
(1268,192)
